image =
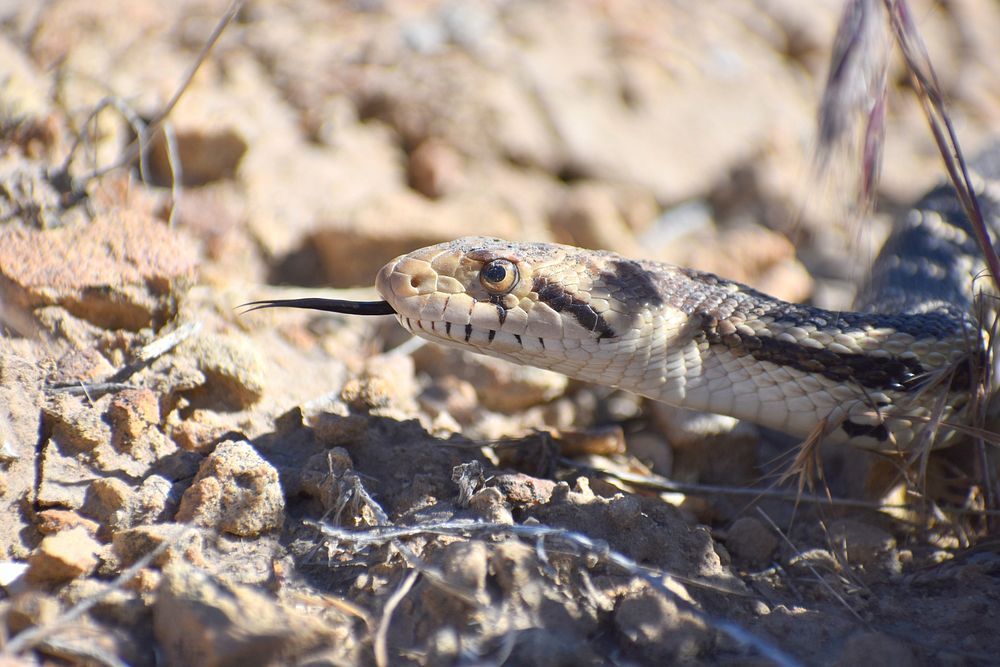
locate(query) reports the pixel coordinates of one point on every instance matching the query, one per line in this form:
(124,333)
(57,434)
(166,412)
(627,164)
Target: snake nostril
(423,283)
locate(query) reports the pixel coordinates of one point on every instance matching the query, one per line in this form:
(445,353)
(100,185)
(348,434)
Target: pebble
(63,556)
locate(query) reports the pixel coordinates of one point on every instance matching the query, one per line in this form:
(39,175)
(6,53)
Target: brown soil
(182,484)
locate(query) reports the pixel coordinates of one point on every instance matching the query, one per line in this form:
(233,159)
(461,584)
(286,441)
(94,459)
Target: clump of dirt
(182,484)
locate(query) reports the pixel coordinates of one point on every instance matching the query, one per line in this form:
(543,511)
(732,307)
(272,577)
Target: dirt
(185,484)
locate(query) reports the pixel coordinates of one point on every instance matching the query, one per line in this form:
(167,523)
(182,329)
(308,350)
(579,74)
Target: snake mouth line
(467,331)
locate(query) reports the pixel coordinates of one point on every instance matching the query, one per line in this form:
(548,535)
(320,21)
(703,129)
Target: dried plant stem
(929,93)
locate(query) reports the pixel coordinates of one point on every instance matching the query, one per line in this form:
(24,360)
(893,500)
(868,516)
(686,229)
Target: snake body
(876,377)
(897,373)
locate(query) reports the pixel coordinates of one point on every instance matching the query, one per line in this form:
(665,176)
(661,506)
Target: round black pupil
(495,273)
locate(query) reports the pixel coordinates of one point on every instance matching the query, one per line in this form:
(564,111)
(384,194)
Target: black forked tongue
(329,305)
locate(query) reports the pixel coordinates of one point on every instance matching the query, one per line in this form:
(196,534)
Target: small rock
(654,631)
(198,620)
(134,415)
(488,505)
(106,497)
(131,544)
(30,610)
(86,365)
(811,560)
(708,447)
(435,168)
(53,521)
(75,425)
(62,478)
(595,441)
(862,543)
(387,382)
(466,564)
(206,153)
(233,367)
(132,411)
(63,556)
(522,489)
(452,396)
(195,436)
(750,541)
(589,217)
(235,491)
(687,429)
(118,506)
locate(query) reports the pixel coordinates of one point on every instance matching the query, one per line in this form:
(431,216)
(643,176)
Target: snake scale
(907,356)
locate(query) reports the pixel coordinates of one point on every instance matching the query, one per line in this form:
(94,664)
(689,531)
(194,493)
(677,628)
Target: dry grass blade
(928,90)
(856,89)
(819,578)
(807,466)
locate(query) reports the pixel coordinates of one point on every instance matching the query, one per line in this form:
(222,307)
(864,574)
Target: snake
(889,375)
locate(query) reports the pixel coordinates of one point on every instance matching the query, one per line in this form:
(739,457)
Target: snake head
(502,298)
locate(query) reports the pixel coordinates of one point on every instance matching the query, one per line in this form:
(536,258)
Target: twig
(75,653)
(176,171)
(139,145)
(133,119)
(381,650)
(90,390)
(147,354)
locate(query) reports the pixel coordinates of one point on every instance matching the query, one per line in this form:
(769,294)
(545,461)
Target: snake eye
(498,276)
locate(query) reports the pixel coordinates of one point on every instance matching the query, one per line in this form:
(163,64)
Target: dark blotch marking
(468,332)
(633,285)
(854,430)
(869,371)
(447,328)
(561,300)
(517,337)
(542,342)
(493,334)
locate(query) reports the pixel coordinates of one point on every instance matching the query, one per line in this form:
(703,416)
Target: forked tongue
(329,305)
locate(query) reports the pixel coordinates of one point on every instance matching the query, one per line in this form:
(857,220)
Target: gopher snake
(876,377)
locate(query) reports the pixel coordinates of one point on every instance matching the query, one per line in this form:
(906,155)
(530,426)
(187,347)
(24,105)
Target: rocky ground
(186,485)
